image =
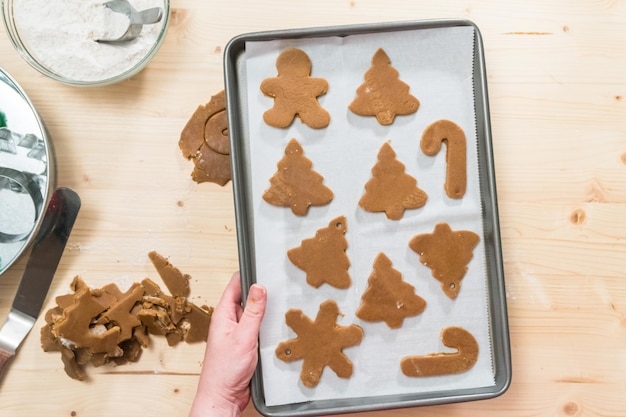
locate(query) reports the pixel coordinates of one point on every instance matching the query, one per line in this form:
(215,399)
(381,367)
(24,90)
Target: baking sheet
(438,64)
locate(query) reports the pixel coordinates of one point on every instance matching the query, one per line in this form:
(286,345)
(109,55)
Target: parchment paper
(438,66)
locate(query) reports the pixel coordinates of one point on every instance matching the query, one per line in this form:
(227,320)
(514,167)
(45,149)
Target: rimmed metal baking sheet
(241,135)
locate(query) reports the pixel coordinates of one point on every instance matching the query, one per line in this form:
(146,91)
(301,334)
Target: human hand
(231,352)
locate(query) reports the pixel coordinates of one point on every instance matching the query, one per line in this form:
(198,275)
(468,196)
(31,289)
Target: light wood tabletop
(556,73)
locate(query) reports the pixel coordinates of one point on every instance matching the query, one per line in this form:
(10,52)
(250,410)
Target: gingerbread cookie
(323,257)
(319,343)
(295,92)
(383,94)
(391,189)
(446,253)
(445,131)
(204,140)
(295,184)
(388,298)
(444,363)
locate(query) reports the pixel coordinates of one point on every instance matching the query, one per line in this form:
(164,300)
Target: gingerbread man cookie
(383,94)
(319,343)
(388,297)
(295,92)
(446,253)
(445,363)
(391,189)
(323,257)
(295,184)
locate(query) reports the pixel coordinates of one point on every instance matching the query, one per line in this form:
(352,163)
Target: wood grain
(557,85)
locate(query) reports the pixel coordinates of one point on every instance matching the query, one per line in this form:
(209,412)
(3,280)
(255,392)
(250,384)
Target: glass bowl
(44,34)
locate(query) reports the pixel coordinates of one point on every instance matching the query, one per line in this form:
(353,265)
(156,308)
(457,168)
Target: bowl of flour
(58,38)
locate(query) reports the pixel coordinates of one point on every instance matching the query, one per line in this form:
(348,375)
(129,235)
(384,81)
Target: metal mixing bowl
(27,171)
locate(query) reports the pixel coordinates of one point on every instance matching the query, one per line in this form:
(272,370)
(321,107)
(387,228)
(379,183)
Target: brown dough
(119,313)
(319,343)
(175,281)
(295,92)
(446,253)
(388,298)
(383,94)
(99,326)
(295,184)
(391,189)
(445,131)
(76,325)
(445,363)
(323,257)
(205,140)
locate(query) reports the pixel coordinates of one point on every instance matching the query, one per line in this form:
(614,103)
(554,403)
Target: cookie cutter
(21,183)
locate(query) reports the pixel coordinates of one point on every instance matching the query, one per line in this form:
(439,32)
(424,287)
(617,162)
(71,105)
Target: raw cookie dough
(388,298)
(175,281)
(391,189)
(295,184)
(295,92)
(446,253)
(204,139)
(319,343)
(323,257)
(445,131)
(444,363)
(105,325)
(383,94)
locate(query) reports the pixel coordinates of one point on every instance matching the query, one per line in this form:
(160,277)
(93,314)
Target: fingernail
(257,293)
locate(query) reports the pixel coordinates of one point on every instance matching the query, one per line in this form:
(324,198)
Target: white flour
(61,35)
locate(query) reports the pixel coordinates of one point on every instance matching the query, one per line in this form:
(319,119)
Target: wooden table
(557,86)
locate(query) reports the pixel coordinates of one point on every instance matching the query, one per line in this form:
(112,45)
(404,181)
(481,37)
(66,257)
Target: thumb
(254,310)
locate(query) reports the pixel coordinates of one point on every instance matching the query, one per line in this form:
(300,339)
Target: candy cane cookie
(456,153)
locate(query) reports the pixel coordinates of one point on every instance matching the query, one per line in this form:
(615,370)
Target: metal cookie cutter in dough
(27,171)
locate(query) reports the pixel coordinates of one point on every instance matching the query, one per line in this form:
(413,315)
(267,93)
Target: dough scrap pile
(105,325)
(205,141)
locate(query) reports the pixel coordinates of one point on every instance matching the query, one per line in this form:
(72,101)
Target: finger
(254,310)
(230,303)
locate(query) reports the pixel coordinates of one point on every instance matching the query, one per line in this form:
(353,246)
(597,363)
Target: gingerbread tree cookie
(383,94)
(391,189)
(295,92)
(445,363)
(388,298)
(323,257)
(446,253)
(319,343)
(295,184)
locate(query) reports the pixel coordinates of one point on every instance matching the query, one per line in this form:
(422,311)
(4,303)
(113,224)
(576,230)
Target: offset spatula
(40,268)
